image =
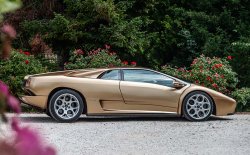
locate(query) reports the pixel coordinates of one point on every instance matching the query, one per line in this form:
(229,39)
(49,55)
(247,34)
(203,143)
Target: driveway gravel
(145,135)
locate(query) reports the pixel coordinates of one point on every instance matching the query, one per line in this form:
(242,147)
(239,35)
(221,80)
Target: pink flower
(218,65)
(98,50)
(133,63)
(216,75)
(125,62)
(229,57)
(26,62)
(215,85)
(194,62)
(27,53)
(209,78)
(4,88)
(112,53)
(79,52)
(11,100)
(9,31)
(182,69)
(107,46)
(14,104)
(28,142)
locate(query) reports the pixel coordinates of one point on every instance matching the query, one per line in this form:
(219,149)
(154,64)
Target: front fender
(224,105)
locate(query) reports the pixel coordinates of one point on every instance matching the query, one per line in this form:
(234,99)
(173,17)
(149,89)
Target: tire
(197,106)
(47,112)
(66,105)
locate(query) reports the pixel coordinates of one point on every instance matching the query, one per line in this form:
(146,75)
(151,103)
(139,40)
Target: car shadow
(46,119)
(144,118)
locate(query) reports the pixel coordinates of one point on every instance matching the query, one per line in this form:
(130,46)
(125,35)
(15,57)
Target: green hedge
(13,71)
(242,96)
(214,73)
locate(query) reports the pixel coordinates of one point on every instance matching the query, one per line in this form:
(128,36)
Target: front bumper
(37,101)
(225,106)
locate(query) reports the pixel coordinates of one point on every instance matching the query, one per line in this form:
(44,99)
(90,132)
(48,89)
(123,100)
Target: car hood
(211,92)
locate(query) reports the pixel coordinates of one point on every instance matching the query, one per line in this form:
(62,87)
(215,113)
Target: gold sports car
(65,95)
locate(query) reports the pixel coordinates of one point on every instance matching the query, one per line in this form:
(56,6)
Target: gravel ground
(145,135)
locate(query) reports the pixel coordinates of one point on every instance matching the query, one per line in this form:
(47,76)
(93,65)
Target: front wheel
(66,105)
(197,106)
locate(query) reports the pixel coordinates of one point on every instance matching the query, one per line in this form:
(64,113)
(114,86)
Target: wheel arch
(180,109)
(61,88)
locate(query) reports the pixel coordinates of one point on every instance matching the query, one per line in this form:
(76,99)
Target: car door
(147,87)
(108,90)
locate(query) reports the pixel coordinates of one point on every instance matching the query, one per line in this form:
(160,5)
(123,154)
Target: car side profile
(67,94)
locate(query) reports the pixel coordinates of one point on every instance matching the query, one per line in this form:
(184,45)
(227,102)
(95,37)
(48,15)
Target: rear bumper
(38,101)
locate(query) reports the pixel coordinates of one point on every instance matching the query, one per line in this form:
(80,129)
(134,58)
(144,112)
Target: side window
(139,75)
(111,75)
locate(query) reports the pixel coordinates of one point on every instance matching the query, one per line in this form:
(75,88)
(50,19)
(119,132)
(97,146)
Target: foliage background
(214,73)
(151,32)
(14,70)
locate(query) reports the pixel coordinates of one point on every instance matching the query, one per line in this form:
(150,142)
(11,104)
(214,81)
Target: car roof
(125,67)
(95,72)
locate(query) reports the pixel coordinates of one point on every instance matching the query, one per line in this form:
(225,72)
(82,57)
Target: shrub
(19,65)
(241,61)
(100,58)
(242,96)
(215,73)
(50,62)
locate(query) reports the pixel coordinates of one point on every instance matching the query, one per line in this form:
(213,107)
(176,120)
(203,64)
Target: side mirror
(178,85)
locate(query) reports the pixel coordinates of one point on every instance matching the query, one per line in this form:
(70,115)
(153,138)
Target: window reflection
(147,76)
(111,75)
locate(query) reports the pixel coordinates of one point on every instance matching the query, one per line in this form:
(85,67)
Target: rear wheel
(66,105)
(197,106)
(47,112)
